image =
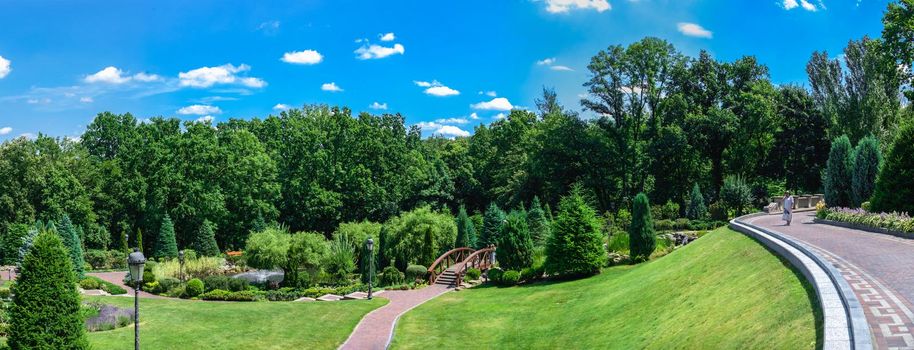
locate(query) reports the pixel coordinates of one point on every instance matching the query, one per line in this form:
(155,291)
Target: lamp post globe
(135,262)
(370,245)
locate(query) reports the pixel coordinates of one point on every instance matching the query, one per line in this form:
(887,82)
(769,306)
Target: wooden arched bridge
(452,266)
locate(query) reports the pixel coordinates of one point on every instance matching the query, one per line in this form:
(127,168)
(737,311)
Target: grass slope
(186,324)
(722,291)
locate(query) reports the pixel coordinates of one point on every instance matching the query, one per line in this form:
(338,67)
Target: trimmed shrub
(224,295)
(166,284)
(97,259)
(416,272)
(222,282)
(45,313)
(894,186)
(106,286)
(510,278)
(166,246)
(88,283)
(575,247)
(205,240)
(529,274)
(641,232)
(390,276)
(838,173)
(867,161)
(514,245)
(495,274)
(473,274)
(697,209)
(194,288)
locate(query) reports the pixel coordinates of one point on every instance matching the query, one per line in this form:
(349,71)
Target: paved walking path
(879,268)
(117,277)
(375,331)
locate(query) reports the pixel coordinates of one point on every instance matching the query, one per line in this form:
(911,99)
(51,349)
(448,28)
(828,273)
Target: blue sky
(444,65)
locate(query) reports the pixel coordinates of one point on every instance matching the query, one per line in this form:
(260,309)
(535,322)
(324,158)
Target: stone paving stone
(356,296)
(305,299)
(330,297)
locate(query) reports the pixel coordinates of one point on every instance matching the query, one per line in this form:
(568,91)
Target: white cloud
(109,75)
(388,37)
(562,68)
(436,88)
(452,121)
(474,116)
(281,107)
(488,93)
(451,131)
(373,51)
(199,110)
(206,119)
(695,30)
(499,116)
(546,61)
(428,125)
(35,101)
(790,4)
(269,27)
(86,99)
(205,77)
(5,130)
(331,86)
(496,104)
(303,57)
(563,6)
(806,5)
(146,77)
(4,67)
(376,105)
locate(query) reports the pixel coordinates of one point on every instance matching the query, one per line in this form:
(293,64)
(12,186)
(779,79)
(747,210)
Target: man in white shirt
(788,208)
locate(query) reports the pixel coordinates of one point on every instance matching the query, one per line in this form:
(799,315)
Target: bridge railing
(447,260)
(481,259)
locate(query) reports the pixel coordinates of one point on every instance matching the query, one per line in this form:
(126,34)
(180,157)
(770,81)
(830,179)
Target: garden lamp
(135,261)
(369,243)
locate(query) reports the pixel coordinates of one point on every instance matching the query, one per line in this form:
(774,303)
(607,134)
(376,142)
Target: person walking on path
(788,208)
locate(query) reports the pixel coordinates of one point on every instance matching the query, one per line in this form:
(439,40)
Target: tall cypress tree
(538,222)
(491,223)
(70,238)
(46,308)
(205,240)
(139,240)
(166,246)
(867,162)
(697,209)
(466,233)
(838,173)
(641,240)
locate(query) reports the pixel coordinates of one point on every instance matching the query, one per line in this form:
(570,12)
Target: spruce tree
(867,161)
(697,209)
(641,232)
(70,238)
(838,173)
(28,240)
(166,246)
(205,240)
(466,233)
(139,240)
(575,247)
(515,247)
(45,312)
(492,222)
(259,224)
(538,222)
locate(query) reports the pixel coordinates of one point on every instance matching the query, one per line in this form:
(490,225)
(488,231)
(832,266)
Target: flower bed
(896,222)
(108,317)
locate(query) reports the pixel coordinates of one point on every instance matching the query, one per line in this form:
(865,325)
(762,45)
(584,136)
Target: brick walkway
(117,278)
(878,267)
(376,329)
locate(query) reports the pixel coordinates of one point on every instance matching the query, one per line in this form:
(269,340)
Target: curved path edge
(845,325)
(376,329)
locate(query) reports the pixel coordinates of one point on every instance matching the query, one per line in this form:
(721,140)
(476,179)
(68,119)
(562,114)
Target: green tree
(307,250)
(166,247)
(45,313)
(205,240)
(575,247)
(838,173)
(697,209)
(641,231)
(894,188)
(74,246)
(801,142)
(492,221)
(515,246)
(867,161)
(466,233)
(418,237)
(538,222)
(736,194)
(139,240)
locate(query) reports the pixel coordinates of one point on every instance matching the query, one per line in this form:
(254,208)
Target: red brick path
(376,329)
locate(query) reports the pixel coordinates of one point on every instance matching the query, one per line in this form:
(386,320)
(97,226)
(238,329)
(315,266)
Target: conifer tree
(515,247)
(466,233)
(205,240)
(139,240)
(166,246)
(45,313)
(838,173)
(697,209)
(893,186)
(575,247)
(538,222)
(867,162)
(70,238)
(641,231)
(494,218)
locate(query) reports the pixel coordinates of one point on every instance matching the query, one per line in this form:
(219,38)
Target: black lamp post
(135,261)
(181,262)
(370,245)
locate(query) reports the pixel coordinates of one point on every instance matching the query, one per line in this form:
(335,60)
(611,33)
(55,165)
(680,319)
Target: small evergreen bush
(736,194)
(466,232)
(194,288)
(492,221)
(495,274)
(390,276)
(416,272)
(510,278)
(205,240)
(473,274)
(867,161)
(514,245)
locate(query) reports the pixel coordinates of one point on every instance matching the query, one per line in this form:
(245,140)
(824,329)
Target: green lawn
(723,291)
(185,324)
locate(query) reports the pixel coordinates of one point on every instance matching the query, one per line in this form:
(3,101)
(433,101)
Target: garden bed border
(867,228)
(845,325)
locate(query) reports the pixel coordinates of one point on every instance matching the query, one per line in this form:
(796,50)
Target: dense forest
(654,121)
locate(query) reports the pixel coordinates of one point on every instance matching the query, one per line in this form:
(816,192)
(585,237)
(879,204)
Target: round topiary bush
(416,272)
(194,288)
(473,274)
(510,278)
(494,274)
(390,276)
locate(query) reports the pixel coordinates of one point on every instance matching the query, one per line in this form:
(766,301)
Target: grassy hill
(722,291)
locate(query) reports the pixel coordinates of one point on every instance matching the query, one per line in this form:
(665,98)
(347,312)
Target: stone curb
(845,323)
(899,234)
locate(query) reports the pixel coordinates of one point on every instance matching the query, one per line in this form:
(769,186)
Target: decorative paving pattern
(890,319)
